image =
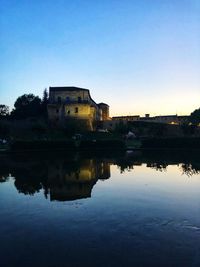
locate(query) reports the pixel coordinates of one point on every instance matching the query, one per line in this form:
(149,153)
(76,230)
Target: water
(76,210)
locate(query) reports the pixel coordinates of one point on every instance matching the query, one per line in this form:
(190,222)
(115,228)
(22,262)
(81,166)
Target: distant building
(126,118)
(75,102)
(111,124)
(168,119)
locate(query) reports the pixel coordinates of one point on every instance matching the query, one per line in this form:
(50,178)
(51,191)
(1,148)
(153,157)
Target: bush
(102,144)
(72,126)
(4,129)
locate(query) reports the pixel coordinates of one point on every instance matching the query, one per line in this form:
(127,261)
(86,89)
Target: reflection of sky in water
(150,189)
(140,217)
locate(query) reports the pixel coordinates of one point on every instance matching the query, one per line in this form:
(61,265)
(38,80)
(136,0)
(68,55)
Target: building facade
(167,119)
(76,103)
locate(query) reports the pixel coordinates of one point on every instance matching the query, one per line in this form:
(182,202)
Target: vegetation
(42,145)
(30,106)
(188,129)
(72,126)
(44,103)
(195,117)
(4,111)
(26,106)
(115,144)
(4,129)
(122,128)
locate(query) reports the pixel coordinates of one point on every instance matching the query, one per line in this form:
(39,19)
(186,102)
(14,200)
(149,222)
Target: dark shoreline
(112,145)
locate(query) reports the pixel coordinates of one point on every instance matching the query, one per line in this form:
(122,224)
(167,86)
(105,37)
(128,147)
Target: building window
(76,110)
(79,99)
(57,110)
(67,99)
(59,99)
(68,112)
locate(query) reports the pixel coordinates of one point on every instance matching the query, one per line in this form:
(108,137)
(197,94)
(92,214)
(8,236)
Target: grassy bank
(42,145)
(171,143)
(68,145)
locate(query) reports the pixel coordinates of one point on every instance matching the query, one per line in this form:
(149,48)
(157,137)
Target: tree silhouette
(4,110)
(195,117)
(44,103)
(27,105)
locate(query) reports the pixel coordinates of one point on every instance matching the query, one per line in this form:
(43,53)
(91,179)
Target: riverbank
(112,144)
(171,143)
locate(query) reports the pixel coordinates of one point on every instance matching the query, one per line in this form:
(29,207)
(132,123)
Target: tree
(4,110)
(27,105)
(72,126)
(195,117)
(45,100)
(122,127)
(4,129)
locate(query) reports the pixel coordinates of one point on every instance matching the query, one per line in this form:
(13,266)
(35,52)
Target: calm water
(100,210)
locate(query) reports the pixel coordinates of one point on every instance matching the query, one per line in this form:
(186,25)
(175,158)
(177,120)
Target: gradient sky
(139,56)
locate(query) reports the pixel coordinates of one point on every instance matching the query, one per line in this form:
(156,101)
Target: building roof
(70,89)
(67,88)
(166,116)
(103,104)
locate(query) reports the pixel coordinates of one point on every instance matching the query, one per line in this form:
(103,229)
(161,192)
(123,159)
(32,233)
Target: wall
(84,111)
(73,95)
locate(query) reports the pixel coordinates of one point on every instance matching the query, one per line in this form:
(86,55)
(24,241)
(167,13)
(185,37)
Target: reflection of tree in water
(190,169)
(4,178)
(68,178)
(29,176)
(187,168)
(124,167)
(27,186)
(60,179)
(126,163)
(4,174)
(158,166)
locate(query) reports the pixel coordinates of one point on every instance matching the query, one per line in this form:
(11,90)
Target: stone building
(113,122)
(76,103)
(167,119)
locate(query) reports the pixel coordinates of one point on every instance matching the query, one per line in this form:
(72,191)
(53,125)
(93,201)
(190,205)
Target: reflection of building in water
(76,182)
(73,178)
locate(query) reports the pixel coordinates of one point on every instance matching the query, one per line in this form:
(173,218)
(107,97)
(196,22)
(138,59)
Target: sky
(138,56)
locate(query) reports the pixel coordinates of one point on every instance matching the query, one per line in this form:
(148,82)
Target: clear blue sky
(139,56)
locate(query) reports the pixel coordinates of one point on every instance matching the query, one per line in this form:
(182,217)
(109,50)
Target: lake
(110,210)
